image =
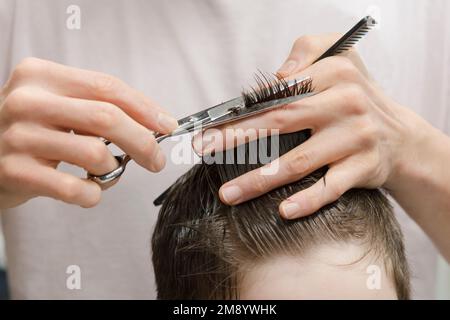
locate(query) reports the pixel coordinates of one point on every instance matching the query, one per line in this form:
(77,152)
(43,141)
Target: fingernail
(202,143)
(231,194)
(197,142)
(167,123)
(159,161)
(288,68)
(289,209)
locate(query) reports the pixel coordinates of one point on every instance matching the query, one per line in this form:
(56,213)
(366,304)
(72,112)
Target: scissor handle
(122,160)
(113,175)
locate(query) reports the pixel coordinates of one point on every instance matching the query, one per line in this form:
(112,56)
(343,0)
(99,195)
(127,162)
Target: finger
(36,179)
(320,150)
(100,119)
(308,49)
(341,177)
(311,113)
(86,152)
(305,51)
(91,85)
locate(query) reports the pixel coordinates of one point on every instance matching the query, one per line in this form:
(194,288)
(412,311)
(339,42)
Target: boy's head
(203,249)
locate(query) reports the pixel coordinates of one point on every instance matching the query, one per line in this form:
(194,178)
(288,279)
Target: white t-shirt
(188,55)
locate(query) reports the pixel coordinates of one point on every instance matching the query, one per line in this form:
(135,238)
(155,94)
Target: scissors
(223,113)
(236,109)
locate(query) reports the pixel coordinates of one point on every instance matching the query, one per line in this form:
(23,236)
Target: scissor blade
(266,106)
(230,111)
(243,113)
(200,119)
(225,109)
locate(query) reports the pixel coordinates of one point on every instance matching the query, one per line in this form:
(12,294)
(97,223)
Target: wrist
(415,163)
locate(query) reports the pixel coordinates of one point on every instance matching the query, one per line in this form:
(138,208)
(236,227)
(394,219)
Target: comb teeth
(357,35)
(350,38)
(272,87)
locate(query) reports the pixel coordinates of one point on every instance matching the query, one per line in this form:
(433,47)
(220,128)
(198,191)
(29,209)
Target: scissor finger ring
(112,175)
(122,160)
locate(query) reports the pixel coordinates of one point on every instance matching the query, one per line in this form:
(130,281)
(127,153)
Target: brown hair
(199,244)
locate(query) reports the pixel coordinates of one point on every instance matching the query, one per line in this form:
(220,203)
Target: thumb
(305,51)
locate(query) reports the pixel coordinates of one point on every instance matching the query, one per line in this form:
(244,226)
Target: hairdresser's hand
(358,132)
(40,105)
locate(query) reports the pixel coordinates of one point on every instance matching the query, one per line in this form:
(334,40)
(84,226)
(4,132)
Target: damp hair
(200,245)
(272,87)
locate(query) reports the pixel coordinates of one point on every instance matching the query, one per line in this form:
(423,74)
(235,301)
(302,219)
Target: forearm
(422,186)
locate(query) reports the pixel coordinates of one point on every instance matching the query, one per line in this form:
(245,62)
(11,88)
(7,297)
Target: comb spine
(350,38)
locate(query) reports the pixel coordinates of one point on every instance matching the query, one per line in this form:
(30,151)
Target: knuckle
(9,171)
(20,103)
(300,163)
(105,84)
(14,136)
(366,133)
(260,184)
(18,100)
(355,100)
(96,153)
(105,116)
(336,191)
(27,67)
(278,117)
(345,70)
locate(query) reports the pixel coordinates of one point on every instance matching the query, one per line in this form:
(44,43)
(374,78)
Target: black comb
(350,38)
(269,88)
